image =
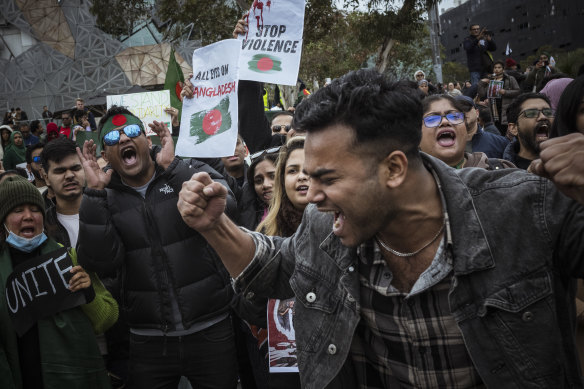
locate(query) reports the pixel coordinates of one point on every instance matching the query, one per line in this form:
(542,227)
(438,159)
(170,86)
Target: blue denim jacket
(517,247)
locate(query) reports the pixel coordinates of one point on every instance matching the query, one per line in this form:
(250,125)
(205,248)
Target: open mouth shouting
(446,137)
(339,222)
(302,189)
(129,155)
(542,132)
(27,232)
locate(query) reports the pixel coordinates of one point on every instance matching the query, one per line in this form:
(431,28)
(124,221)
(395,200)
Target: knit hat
(52,127)
(15,191)
(510,62)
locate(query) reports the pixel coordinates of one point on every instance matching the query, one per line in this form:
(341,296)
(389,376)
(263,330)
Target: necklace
(400,254)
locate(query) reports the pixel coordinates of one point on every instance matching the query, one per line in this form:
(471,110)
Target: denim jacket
(517,247)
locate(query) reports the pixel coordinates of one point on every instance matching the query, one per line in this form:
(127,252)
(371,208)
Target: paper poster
(38,288)
(208,126)
(148,106)
(494,88)
(281,336)
(271,49)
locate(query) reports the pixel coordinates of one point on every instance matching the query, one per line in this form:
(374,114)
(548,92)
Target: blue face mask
(24,244)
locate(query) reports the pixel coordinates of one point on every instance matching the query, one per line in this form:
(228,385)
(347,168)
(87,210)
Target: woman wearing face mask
(499,102)
(58,351)
(15,152)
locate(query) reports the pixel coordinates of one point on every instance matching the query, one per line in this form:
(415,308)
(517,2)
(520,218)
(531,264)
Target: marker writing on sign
(211,74)
(20,287)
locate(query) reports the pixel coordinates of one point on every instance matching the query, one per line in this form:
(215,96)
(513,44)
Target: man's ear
(103,155)
(45,176)
(395,168)
(512,128)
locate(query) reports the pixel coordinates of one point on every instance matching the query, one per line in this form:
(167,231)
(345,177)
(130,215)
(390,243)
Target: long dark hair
(570,100)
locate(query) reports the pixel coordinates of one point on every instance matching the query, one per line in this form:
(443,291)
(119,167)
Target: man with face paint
(177,308)
(530,118)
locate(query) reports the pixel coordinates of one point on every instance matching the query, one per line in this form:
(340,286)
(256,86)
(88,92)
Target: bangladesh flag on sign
(216,120)
(264,63)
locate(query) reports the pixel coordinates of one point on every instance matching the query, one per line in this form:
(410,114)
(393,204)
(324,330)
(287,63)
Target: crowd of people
(419,237)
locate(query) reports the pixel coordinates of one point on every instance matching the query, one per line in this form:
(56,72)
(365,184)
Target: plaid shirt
(409,340)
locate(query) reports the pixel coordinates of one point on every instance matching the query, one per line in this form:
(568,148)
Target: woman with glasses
(444,135)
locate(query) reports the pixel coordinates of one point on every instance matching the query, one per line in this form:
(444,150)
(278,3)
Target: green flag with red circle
(264,63)
(207,123)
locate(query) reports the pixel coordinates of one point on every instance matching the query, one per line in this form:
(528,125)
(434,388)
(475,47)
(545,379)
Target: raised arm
(201,204)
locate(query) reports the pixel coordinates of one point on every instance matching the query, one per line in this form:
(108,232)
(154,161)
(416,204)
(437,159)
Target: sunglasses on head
(534,112)
(278,128)
(435,120)
(259,154)
(36,159)
(113,137)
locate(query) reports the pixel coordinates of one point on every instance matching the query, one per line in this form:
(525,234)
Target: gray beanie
(15,191)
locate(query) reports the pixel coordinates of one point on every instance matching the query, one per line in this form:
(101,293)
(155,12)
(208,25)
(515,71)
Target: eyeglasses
(113,137)
(257,155)
(534,112)
(278,128)
(36,159)
(435,120)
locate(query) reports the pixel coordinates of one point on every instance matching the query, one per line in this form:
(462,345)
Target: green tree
(454,71)
(117,17)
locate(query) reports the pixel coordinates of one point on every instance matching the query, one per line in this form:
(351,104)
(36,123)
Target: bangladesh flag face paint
(264,63)
(216,120)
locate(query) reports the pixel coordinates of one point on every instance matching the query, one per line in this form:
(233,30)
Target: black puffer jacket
(161,257)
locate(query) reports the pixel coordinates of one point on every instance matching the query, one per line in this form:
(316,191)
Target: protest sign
(148,106)
(271,49)
(494,88)
(281,336)
(208,126)
(38,288)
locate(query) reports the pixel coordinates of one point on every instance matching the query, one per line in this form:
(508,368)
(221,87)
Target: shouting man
(403,270)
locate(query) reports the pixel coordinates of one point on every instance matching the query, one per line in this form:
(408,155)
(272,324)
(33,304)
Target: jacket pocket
(522,320)
(316,304)
(313,291)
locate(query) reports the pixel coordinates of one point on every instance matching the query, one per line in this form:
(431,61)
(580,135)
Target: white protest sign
(208,126)
(271,49)
(148,106)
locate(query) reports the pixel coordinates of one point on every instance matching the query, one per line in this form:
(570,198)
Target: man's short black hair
(57,150)
(485,114)
(514,108)
(21,125)
(386,116)
(282,113)
(34,125)
(31,148)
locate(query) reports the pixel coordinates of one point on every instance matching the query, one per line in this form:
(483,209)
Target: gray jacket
(512,292)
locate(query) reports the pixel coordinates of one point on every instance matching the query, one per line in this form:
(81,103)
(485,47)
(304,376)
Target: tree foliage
(118,17)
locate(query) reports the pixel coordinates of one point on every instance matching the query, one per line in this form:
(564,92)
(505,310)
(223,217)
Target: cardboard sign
(38,288)
(271,49)
(208,126)
(281,336)
(148,106)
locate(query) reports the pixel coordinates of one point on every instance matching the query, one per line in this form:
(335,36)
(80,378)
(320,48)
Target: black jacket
(477,58)
(161,258)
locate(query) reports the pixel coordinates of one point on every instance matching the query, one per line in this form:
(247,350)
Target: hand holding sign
(80,279)
(43,286)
